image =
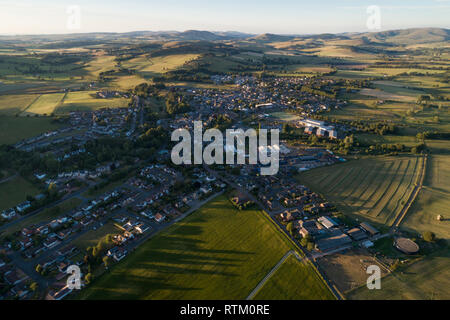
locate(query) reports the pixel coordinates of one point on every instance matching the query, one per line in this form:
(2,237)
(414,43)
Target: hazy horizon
(25,17)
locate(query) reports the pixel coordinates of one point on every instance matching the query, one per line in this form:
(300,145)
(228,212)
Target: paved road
(274,269)
(28,268)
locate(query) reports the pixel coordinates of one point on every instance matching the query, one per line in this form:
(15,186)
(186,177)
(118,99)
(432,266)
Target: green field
(126,82)
(294,280)
(99,64)
(15,191)
(15,129)
(86,101)
(433,200)
(373,188)
(13,104)
(438,173)
(92,237)
(426,279)
(217,252)
(285,116)
(151,66)
(45,104)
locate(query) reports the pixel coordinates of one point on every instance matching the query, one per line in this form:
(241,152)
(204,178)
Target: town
(200,165)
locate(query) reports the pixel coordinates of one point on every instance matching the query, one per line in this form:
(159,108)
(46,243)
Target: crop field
(126,82)
(427,279)
(21,68)
(294,280)
(359,110)
(438,173)
(373,188)
(15,191)
(384,95)
(13,104)
(422,216)
(341,52)
(220,64)
(399,88)
(308,69)
(218,252)
(433,199)
(86,101)
(149,66)
(15,129)
(99,64)
(45,104)
(371,139)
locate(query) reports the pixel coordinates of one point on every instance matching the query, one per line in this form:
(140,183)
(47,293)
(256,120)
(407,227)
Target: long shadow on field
(181,257)
(182,270)
(189,230)
(140,286)
(188,244)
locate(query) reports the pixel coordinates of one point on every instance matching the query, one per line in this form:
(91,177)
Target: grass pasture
(438,173)
(100,63)
(126,82)
(86,101)
(218,252)
(45,104)
(285,116)
(151,66)
(13,104)
(373,189)
(288,283)
(15,129)
(15,191)
(433,199)
(385,95)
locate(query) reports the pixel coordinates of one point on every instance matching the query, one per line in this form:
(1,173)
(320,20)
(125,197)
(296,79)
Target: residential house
(15,276)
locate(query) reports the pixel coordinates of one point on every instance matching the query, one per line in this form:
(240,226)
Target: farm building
(308,228)
(357,234)
(335,240)
(368,228)
(319,128)
(327,222)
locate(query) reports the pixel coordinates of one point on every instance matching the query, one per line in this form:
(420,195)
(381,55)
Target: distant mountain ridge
(409,36)
(398,37)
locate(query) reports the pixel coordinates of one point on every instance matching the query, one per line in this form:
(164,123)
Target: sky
(250,16)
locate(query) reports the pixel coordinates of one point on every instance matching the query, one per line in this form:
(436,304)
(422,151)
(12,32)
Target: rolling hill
(409,36)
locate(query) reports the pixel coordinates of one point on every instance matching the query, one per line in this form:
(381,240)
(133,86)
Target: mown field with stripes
(433,200)
(374,188)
